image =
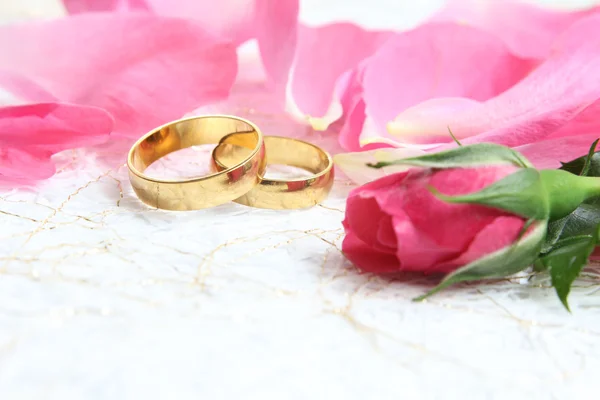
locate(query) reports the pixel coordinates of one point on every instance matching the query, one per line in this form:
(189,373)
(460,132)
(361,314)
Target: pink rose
(397,224)
(474,212)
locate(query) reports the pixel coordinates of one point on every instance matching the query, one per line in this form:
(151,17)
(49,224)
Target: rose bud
(397,224)
(475,212)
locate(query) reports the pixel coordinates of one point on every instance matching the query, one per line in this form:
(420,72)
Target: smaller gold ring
(279,193)
(198,192)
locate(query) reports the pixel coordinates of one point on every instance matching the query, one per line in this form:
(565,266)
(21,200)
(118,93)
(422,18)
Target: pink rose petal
(399,212)
(377,208)
(360,253)
(272,22)
(20,167)
(434,60)
(322,56)
(423,124)
(60,126)
(417,251)
(466,219)
(499,234)
(552,96)
(548,154)
(276,31)
(30,134)
(438,60)
(560,98)
(528,31)
(228,19)
(27,89)
(353,106)
(145,70)
(369,219)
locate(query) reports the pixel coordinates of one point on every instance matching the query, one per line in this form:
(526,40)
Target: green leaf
(502,263)
(571,240)
(465,156)
(565,262)
(583,221)
(538,266)
(520,193)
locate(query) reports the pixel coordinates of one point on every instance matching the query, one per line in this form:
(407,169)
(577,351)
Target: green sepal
(565,262)
(479,154)
(500,264)
(454,137)
(588,160)
(567,191)
(586,218)
(520,193)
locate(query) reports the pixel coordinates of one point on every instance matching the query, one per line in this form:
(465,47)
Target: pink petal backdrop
(556,100)
(272,23)
(150,61)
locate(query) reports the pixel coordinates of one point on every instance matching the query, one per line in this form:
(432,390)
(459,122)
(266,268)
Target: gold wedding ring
(276,193)
(220,187)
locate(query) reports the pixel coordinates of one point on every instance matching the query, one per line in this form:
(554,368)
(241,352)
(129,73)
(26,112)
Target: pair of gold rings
(238,166)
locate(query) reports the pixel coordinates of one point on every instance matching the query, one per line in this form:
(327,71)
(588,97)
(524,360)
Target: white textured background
(102,298)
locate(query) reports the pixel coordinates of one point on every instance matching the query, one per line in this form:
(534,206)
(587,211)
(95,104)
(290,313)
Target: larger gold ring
(201,192)
(281,193)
